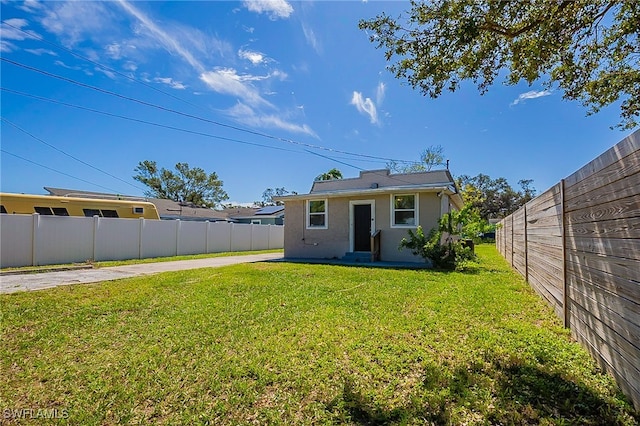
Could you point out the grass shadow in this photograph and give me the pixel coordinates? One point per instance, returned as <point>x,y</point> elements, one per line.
<point>518,394</point>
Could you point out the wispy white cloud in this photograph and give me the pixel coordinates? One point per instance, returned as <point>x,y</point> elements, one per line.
<point>106,72</point>
<point>171,82</point>
<point>14,29</point>
<point>254,57</point>
<point>130,66</point>
<point>40,52</point>
<point>170,43</point>
<point>533,94</point>
<point>227,81</point>
<point>380,92</point>
<point>365,106</point>
<point>74,21</point>
<point>274,8</point>
<point>247,115</point>
<point>30,6</point>
<point>69,67</point>
<point>310,37</point>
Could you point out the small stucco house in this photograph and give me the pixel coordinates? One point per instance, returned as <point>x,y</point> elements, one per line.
<point>367,214</point>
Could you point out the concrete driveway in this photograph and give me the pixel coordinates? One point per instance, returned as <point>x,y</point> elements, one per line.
<point>39,281</point>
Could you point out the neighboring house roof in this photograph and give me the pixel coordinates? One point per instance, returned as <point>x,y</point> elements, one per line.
<point>235,213</point>
<point>270,210</point>
<point>167,209</point>
<point>383,181</point>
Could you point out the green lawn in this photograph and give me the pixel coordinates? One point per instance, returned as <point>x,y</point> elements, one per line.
<point>107,263</point>
<point>276,343</point>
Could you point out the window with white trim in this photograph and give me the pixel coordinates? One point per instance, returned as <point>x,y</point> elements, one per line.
<point>317,214</point>
<point>404,210</point>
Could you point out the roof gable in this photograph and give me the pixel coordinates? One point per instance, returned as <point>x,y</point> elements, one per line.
<point>374,179</point>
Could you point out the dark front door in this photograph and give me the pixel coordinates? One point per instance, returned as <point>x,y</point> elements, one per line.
<point>362,227</point>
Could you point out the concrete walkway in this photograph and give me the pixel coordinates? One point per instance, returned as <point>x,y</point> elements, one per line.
<point>39,281</point>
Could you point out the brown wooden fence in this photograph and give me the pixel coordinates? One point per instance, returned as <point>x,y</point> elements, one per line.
<point>578,246</point>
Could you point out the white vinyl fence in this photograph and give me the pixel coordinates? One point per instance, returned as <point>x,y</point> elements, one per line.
<point>47,240</point>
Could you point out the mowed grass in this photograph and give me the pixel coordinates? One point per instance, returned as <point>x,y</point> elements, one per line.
<point>108,263</point>
<point>277,343</point>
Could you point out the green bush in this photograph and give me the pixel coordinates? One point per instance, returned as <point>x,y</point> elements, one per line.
<point>449,254</point>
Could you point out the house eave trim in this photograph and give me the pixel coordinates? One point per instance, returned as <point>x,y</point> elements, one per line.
<point>448,188</point>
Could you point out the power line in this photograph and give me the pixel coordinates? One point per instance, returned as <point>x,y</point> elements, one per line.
<point>105,67</point>
<point>165,109</point>
<point>179,129</point>
<point>135,80</point>
<point>57,171</point>
<point>67,154</point>
<point>361,169</point>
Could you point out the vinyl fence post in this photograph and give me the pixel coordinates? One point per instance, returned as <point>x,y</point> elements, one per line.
<point>565,311</point>
<point>230,235</point>
<point>206,238</point>
<point>140,228</point>
<point>269,237</point>
<point>178,224</point>
<point>96,220</point>
<point>34,239</point>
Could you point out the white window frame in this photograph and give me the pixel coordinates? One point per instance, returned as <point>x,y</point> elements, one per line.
<point>415,210</point>
<point>326,213</point>
<point>256,222</point>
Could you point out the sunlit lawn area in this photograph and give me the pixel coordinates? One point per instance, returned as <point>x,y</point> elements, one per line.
<point>105,264</point>
<point>277,343</point>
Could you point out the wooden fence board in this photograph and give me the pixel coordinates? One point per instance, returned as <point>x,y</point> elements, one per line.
<point>623,248</point>
<point>623,268</point>
<point>629,228</point>
<point>629,187</point>
<point>545,249</point>
<point>618,170</point>
<point>625,147</point>
<point>546,200</point>
<point>618,209</point>
<point>550,221</point>
<point>618,343</point>
<point>608,359</point>
<point>618,313</point>
<point>551,294</point>
<point>546,240</point>
<point>623,287</point>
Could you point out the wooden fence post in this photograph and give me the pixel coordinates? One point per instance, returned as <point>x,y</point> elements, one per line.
<point>526,248</point>
<point>565,311</point>
<point>511,239</point>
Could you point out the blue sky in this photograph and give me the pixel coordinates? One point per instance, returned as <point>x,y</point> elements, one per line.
<point>265,93</point>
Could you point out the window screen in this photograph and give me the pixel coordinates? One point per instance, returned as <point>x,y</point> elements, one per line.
<point>91,212</point>
<point>45,211</point>
<point>60,211</point>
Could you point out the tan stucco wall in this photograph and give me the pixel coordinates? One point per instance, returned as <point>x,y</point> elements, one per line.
<point>334,241</point>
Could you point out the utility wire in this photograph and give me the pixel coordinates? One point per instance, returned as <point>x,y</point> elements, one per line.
<point>57,171</point>
<point>179,129</point>
<point>68,155</point>
<point>360,168</point>
<point>143,83</point>
<point>98,89</point>
<point>105,67</point>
